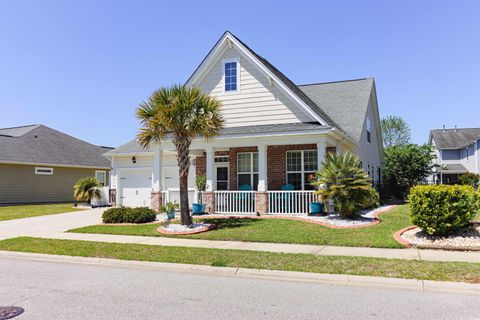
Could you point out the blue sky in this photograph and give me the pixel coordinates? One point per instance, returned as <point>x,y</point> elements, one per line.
<point>82,67</point>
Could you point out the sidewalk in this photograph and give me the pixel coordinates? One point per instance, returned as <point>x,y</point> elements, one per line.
<point>408,254</point>
<point>54,227</point>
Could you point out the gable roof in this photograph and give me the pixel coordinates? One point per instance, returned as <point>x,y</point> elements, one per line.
<point>284,83</point>
<point>346,102</point>
<point>38,144</point>
<point>454,138</point>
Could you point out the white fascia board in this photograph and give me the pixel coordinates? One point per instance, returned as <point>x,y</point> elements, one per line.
<point>210,59</point>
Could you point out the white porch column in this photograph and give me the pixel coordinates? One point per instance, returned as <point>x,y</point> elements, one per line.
<point>157,170</point>
<point>262,167</point>
<point>209,168</point>
<point>321,151</point>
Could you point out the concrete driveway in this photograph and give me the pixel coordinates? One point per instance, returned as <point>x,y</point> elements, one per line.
<point>49,224</point>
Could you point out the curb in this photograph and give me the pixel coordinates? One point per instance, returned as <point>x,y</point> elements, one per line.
<point>427,286</point>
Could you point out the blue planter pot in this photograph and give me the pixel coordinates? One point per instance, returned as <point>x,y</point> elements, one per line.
<point>198,208</point>
<point>316,208</point>
<point>171,215</point>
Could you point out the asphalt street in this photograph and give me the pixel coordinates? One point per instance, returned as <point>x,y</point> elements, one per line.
<point>53,290</point>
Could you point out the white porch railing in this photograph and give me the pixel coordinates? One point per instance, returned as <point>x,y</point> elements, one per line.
<point>290,202</point>
<point>235,202</point>
<point>173,195</point>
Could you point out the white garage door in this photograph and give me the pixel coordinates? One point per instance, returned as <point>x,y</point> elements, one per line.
<point>171,179</point>
<point>135,188</point>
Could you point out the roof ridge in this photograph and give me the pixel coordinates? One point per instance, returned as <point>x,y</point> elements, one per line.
<point>16,127</point>
<point>450,129</point>
<point>328,82</point>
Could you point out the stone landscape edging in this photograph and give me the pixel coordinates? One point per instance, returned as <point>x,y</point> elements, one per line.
<point>210,226</point>
<point>376,218</point>
<point>398,237</point>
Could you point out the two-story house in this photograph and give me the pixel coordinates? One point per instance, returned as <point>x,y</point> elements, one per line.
<point>275,137</point>
<point>457,152</point>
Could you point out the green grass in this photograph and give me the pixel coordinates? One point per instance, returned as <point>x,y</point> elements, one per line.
<point>34,210</point>
<point>396,268</point>
<point>281,231</point>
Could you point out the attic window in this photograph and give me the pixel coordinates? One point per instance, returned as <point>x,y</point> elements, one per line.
<point>369,130</point>
<point>231,75</point>
<point>44,171</point>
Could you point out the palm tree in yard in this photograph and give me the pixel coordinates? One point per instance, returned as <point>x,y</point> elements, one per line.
<point>179,114</point>
<point>87,189</point>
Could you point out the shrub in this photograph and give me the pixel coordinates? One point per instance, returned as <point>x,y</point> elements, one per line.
<point>470,179</point>
<point>128,215</point>
<point>441,210</point>
<point>373,200</point>
<point>343,181</point>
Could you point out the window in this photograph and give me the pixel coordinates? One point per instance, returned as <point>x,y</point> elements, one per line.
<point>301,165</point>
<point>247,169</point>
<point>220,159</point>
<point>231,75</point>
<point>101,177</point>
<point>369,130</point>
<point>45,171</point>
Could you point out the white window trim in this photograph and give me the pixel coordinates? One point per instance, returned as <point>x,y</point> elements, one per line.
<point>44,173</point>
<point>302,172</point>
<point>224,61</point>
<point>104,176</point>
<point>251,172</point>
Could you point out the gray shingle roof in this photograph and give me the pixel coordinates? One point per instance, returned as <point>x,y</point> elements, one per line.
<point>346,102</point>
<point>41,144</point>
<point>454,138</point>
<point>453,168</point>
<point>134,147</point>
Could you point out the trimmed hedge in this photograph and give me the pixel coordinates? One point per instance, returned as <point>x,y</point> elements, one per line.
<point>443,209</point>
<point>128,215</point>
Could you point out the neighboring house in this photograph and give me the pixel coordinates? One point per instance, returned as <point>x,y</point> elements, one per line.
<point>275,137</point>
<point>39,164</point>
<point>457,152</point>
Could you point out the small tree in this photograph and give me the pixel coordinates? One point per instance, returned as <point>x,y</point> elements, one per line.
<point>470,179</point>
<point>405,167</point>
<point>395,131</point>
<point>179,114</point>
<point>343,180</point>
<point>86,189</point>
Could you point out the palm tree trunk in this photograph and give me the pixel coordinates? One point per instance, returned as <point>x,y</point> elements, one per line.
<point>183,160</point>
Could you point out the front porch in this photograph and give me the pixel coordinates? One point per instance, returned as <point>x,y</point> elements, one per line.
<point>255,180</point>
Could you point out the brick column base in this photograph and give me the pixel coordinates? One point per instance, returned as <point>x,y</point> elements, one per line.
<point>261,200</point>
<point>112,195</point>
<point>156,200</point>
<point>209,200</point>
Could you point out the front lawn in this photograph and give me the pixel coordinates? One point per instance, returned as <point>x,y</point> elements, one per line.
<point>281,231</point>
<point>27,211</point>
<point>395,268</point>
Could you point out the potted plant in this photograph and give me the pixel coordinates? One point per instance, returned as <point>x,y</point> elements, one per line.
<point>201,184</point>
<point>169,208</point>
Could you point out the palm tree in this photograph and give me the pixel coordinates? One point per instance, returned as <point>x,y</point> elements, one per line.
<point>179,114</point>
<point>343,180</point>
<point>86,189</point>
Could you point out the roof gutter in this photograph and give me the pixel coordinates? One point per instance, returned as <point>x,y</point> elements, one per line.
<point>53,165</point>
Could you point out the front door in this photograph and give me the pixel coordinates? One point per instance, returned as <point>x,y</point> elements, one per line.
<point>222,178</point>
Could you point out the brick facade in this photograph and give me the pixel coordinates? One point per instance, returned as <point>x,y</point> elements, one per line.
<point>156,200</point>
<point>276,163</point>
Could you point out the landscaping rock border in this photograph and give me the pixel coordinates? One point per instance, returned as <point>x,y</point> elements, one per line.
<point>375,216</point>
<point>207,227</point>
<point>446,245</point>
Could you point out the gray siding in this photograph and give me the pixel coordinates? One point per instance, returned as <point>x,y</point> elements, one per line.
<point>369,152</point>
<point>20,184</point>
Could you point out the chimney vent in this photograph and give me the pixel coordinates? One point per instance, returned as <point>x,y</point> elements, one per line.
<point>456,128</point>
<point>444,129</point>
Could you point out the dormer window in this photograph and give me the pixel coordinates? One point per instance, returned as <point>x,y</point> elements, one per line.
<point>231,75</point>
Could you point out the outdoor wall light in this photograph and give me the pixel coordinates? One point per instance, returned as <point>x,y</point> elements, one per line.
<point>134,160</point>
